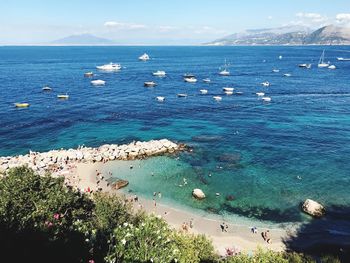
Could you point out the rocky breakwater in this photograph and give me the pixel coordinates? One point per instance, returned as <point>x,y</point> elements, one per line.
<point>59,162</point>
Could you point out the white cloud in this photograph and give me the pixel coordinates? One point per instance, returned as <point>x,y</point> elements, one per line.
<point>310,19</point>
<point>343,18</point>
<point>123,26</point>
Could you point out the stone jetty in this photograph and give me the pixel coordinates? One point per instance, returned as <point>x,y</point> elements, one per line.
<point>57,162</point>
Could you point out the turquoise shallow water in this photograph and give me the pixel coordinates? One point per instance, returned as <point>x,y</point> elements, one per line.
<point>253,151</point>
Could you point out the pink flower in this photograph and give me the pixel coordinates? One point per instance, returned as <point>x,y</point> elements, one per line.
<point>56,216</point>
<point>91,261</point>
<point>48,224</point>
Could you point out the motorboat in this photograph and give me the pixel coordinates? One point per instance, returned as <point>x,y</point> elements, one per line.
<point>110,67</point>
<point>304,65</point>
<point>62,96</point>
<point>46,88</point>
<point>225,71</point>
<point>206,80</point>
<point>228,92</point>
<point>144,57</point>
<point>266,99</point>
<point>265,84</point>
<point>228,89</point>
<point>203,91</point>
<point>217,98</point>
<point>260,94</point>
<point>287,74</point>
<point>332,67</point>
<point>98,82</point>
<point>182,95</point>
<point>159,73</point>
<point>150,84</point>
<point>343,59</point>
<point>321,63</point>
<point>22,105</point>
<point>89,74</point>
<point>160,98</point>
<point>189,75</point>
<point>275,70</point>
<point>190,80</point>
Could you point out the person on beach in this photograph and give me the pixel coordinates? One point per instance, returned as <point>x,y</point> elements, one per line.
<point>254,230</point>
<point>191,223</point>
<point>159,195</point>
<point>222,226</point>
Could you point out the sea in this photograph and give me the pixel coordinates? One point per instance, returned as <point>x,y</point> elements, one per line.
<point>254,160</point>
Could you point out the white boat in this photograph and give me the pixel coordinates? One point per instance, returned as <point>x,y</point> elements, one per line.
<point>224,72</point>
<point>280,57</point>
<point>62,96</point>
<point>287,75</point>
<point>182,95</point>
<point>159,73</point>
<point>228,89</point>
<point>203,91</point>
<point>343,59</point>
<point>110,67</point>
<point>332,67</point>
<point>206,80</point>
<point>190,80</point>
<point>265,84</point>
<point>189,75</point>
<point>321,63</point>
<point>46,88</point>
<point>228,92</point>
<point>217,98</point>
<point>160,98</point>
<point>98,82</point>
<point>275,70</point>
<point>260,94</point>
<point>88,74</point>
<point>304,65</point>
<point>144,57</point>
<point>239,93</point>
<point>149,84</point>
<point>266,99</point>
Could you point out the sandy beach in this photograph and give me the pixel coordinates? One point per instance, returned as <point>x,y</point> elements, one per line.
<point>238,237</point>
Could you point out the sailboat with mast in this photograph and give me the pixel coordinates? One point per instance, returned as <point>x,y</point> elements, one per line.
<point>225,71</point>
<point>321,63</point>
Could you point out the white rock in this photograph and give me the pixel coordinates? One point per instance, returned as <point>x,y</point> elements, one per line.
<point>198,193</point>
<point>313,208</point>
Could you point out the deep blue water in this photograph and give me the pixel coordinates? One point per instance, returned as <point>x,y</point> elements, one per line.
<point>253,150</point>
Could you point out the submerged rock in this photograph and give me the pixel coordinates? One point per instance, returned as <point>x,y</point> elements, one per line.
<point>119,184</point>
<point>230,197</point>
<point>313,208</point>
<point>198,194</point>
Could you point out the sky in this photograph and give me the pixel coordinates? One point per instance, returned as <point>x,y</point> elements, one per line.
<point>160,22</point>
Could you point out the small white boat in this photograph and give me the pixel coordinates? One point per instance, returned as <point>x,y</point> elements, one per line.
<point>287,74</point>
<point>304,65</point>
<point>203,91</point>
<point>189,75</point>
<point>332,67</point>
<point>46,88</point>
<point>62,96</point>
<point>265,84</point>
<point>266,99</point>
<point>98,82</point>
<point>217,98</point>
<point>239,93</point>
<point>159,73</point>
<point>89,74</point>
<point>206,80</point>
<point>275,70</point>
<point>228,89</point>
<point>149,84</point>
<point>228,92</point>
<point>160,98</point>
<point>22,105</point>
<point>190,80</point>
<point>225,71</point>
<point>110,67</point>
<point>260,94</point>
<point>280,57</point>
<point>182,95</point>
<point>321,63</point>
<point>343,59</point>
<point>144,57</point>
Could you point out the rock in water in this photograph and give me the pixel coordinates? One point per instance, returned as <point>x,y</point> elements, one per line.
<point>198,194</point>
<point>313,208</point>
<point>119,184</point>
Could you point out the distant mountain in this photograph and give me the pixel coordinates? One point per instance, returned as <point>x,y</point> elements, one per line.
<point>291,35</point>
<point>83,39</point>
